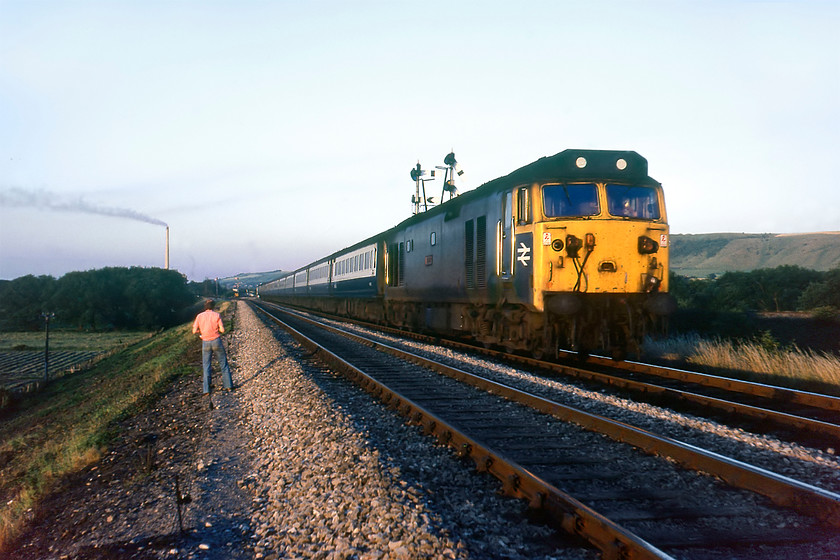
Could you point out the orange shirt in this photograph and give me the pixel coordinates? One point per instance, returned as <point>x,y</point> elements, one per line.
<point>210,324</point>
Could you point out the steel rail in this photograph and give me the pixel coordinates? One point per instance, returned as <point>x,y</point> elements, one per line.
<point>817,427</point>
<point>807,398</point>
<point>814,400</point>
<point>614,541</point>
<point>784,491</point>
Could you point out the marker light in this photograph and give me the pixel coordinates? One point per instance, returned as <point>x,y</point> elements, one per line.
<point>621,164</point>
<point>573,245</point>
<point>647,245</point>
<point>580,162</point>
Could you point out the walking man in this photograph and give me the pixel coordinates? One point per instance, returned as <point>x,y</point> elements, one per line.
<point>210,327</point>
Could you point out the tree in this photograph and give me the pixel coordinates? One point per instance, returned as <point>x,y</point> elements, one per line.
<point>22,301</point>
<point>122,298</point>
<point>825,293</point>
<point>769,289</point>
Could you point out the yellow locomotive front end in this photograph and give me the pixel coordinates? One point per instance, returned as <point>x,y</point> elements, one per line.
<point>596,231</point>
<point>601,238</point>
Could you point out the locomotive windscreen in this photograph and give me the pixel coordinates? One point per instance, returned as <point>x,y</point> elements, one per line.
<point>633,202</point>
<point>566,201</point>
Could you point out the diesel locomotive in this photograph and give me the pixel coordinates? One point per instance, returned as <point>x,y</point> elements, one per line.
<point>567,252</point>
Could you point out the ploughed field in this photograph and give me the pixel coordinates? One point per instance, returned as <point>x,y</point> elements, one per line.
<point>23,366</point>
<point>22,353</point>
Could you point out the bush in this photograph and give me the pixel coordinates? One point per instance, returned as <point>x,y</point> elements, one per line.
<point>822,294</point>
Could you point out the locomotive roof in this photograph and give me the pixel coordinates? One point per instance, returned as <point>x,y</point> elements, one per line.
<point>577,165</point>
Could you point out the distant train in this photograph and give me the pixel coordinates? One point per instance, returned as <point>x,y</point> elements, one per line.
<point>570,251</point>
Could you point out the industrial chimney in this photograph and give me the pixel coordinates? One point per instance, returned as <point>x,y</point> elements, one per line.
<point>166,261</point>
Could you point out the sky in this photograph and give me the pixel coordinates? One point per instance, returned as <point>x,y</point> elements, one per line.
<point>267,134</point>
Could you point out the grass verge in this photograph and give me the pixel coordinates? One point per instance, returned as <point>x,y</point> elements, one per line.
<point>69,424</point>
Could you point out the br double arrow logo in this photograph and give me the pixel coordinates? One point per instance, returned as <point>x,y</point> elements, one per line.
<point>524,254</point>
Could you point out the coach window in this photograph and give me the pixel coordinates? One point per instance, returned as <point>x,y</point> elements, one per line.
<point>433,239</point>
<point>523,206</point>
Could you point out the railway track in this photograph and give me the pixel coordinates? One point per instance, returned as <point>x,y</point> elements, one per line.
<point>791,414</point>
<point>794,413</point>
<point>629,500</point>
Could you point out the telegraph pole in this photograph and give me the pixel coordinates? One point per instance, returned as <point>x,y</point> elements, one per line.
<point>47,316</point>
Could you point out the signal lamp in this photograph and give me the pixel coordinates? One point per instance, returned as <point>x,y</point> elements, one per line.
<point>621,164</point>
<point>557,244</point>
<point>416,172</point>
<point>580,162</point>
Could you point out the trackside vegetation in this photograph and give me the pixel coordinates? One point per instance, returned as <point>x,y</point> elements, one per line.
<point>763,360</point>
<point>70,422</point>
<point>113,298</point>
<point>778,326</point>
<point>784,288</point>
<point>744,306</point>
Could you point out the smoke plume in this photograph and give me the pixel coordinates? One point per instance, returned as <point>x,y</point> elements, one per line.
<point>46,200</point>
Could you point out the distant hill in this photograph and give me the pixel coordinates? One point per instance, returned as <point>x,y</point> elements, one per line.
<point>715,253</point>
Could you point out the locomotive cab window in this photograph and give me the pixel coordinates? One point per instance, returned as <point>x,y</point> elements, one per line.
<point>570,201</point>
<point>633,202</point>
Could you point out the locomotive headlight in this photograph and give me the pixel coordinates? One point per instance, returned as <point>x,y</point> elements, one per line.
<point>647,245</point>
<point>621,164</point>
<point>580,162</point>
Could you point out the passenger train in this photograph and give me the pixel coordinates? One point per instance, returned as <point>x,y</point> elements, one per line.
<point>567,252</point>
